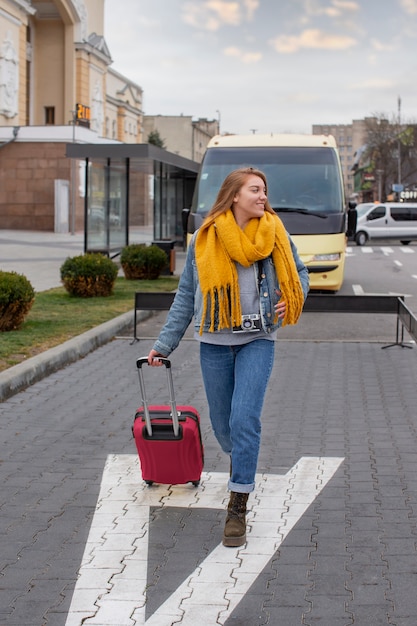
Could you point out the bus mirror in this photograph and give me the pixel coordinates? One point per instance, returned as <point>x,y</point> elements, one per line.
<point>184,216</point>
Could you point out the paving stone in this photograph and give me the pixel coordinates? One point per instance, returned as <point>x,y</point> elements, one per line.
<point>372,615</point>
<point>348,560</point>
<point>249,611</point>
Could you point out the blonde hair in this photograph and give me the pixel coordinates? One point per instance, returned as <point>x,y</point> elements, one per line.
<point>231,186</point>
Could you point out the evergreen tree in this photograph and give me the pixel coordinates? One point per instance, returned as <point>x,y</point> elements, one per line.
<point>155,139</point>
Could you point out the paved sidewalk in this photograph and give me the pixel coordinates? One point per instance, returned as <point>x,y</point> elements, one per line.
<point>333,519</point>
<point>38,255</point>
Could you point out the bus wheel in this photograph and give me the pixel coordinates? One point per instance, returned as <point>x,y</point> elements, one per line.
<point>405,243</point>
<point>361,238</point>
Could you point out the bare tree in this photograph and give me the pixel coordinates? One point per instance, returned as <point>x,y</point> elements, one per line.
<point>391,153</point>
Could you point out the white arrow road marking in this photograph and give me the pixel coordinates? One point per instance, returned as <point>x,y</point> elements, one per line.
<point>111,588</point>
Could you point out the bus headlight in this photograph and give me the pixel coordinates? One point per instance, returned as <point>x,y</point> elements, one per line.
<point>326,257</point>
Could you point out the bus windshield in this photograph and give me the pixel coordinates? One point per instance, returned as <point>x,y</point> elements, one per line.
<point>300,179</point>
<point>305,188</point>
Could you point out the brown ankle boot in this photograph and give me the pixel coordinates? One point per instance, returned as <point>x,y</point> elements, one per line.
<point>235,528</point>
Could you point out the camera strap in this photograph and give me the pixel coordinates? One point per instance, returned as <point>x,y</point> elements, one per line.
<point>260,271</point>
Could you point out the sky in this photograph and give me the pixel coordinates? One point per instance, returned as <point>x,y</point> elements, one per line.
<point>268,65</point>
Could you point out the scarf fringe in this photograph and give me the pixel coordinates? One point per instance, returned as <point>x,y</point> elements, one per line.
<point>227,309</point>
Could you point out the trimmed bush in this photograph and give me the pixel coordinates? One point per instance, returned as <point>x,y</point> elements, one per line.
<point>89,275</point>
<point>140,261</point>
<point>16,298</point>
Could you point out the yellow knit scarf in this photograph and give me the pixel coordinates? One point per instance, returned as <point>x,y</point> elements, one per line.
<point>220,243</point>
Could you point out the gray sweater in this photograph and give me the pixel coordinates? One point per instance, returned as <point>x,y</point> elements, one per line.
<point>249,302</point>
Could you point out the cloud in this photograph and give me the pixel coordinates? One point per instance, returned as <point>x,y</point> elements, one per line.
<point>381,46</point>
<point>374,83</point>
<point>312,39</point>
<point>303,98</point>
<point>346,5</point>
<point>337,8</point>
<point>251,6</point>
<point>340,8</point>
<point>213,14</point>
<point>409,6</point>
<point>245,57</point>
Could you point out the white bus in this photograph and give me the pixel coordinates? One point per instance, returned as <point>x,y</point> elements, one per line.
<point>305,188</point>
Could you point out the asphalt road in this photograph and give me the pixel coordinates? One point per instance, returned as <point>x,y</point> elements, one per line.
<point>382,268</point>
<point>387,267</point>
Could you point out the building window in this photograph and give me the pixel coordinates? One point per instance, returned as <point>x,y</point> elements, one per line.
<point>49,116</point>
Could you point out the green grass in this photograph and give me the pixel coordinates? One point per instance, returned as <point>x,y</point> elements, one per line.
<point>56,317</point>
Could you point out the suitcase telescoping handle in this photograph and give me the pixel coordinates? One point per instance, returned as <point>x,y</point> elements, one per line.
<point>174,413</point>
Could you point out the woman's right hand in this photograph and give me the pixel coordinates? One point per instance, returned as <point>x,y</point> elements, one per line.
<point>153,358</point>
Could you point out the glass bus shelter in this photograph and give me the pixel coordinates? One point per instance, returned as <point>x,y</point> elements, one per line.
<point>132,185</point>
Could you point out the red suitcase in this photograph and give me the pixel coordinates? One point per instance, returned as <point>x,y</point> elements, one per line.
<point>168,438</point>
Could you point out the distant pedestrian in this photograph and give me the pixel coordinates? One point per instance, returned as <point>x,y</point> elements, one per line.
<point>242,280</point>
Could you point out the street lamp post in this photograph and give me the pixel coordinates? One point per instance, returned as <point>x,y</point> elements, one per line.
<point>73,175</point>
<point>218,120</point>
<point>379,174</point>
<point>399,142</point>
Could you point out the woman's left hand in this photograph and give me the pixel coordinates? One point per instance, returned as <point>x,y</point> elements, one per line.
<point>280,307</point>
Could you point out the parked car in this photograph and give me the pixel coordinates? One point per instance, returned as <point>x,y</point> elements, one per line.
<point>96,219</point>
<point>388,220</point>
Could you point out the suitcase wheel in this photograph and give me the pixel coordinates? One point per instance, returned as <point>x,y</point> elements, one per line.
<point>150,483</point>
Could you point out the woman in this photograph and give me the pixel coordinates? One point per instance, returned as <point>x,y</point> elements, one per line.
<point>242,280</point>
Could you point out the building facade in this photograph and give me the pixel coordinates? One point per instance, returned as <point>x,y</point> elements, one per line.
<point>54,67</point>
<point>349,138</point>
<point>57,89</point>
<point>181,134</point>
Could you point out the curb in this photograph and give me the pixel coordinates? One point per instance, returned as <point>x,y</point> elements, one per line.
<point>23,375</point>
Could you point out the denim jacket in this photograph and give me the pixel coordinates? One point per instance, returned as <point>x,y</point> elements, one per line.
<point>188,301</point>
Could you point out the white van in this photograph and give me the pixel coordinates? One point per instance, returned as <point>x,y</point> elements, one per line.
<point>388,220</point>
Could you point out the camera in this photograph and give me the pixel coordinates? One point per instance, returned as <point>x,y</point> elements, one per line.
<point>250,324</point>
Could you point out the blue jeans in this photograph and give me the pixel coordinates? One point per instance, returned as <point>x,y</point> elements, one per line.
<point>235,379</point>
